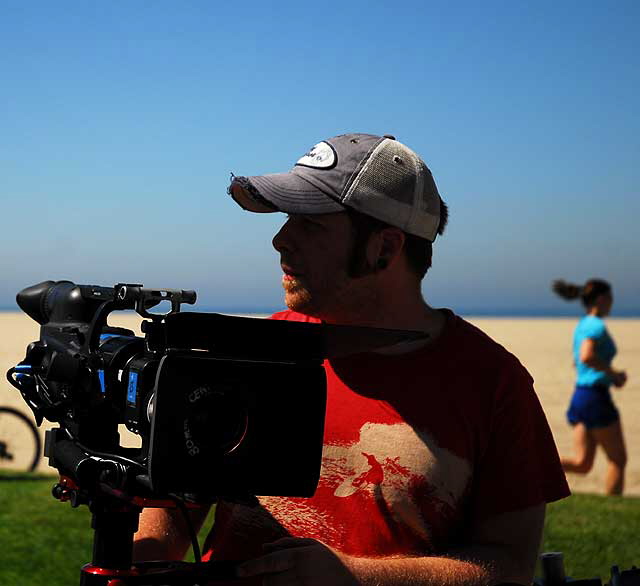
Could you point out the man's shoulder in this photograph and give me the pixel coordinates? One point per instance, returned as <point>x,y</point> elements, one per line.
<point>467,335</point>
<point>289,315</point>
<point>475,346</point>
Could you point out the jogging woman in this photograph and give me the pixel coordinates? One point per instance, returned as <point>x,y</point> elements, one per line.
<point>592,414</point>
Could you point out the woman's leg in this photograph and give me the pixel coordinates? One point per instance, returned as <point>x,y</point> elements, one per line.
<point>584,448</point>
<point>612,442</point>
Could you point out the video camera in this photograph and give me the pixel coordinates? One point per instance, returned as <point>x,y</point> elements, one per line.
<point>225,407</point>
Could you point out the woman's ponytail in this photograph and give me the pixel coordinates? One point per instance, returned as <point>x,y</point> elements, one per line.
<point>588,293</point>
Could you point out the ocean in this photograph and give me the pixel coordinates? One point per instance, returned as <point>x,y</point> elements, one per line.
<point>488,312</point>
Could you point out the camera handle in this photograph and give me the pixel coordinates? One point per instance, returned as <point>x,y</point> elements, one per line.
<point>115,522</point>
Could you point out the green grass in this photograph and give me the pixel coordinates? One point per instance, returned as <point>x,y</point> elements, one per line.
<point>40,537</point>
<point>594,533</point>
<point>42,541</point>
<point>45,542</point>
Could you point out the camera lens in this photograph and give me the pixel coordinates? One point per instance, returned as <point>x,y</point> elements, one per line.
<point>216,418</point>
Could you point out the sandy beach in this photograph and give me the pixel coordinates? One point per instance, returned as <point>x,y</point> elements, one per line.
<point>542,345</point>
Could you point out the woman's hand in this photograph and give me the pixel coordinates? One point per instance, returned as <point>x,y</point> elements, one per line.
<point>618,378</point>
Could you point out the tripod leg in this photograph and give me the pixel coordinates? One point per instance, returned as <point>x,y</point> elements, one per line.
<point>114,527</point>
<point>113,538</point>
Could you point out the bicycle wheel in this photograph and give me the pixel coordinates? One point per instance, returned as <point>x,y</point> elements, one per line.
<point>20,446</point>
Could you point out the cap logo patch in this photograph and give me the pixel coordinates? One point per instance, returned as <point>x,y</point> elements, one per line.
<point>321,156</point>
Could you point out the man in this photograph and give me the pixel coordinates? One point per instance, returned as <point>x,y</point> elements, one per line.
<point>438,460</point>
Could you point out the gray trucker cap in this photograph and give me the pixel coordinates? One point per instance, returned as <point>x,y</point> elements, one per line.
<point>375,175</point>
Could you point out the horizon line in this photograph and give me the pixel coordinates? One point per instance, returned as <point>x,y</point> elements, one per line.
<point>463,311</point>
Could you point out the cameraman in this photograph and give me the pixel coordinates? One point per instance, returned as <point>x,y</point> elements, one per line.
<point>438,460</point>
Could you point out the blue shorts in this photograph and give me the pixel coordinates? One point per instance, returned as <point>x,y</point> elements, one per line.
<point>593,406</point>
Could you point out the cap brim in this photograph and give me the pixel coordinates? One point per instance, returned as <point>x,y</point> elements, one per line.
<point>286,192</point>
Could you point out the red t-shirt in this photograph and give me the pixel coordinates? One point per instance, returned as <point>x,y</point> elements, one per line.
<point>417,448</point>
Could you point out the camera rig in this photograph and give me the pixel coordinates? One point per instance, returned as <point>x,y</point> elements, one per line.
<point>225,407</point>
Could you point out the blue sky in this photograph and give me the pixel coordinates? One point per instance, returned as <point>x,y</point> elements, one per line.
<point>120,123</point>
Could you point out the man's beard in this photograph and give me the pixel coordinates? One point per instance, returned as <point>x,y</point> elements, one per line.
<point>339,302</point>
<point>297,297</point>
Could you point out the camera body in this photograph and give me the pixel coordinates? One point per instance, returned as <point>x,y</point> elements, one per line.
<point>224,406</point>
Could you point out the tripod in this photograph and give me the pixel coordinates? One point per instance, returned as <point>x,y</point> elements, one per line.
<point>114,521</point>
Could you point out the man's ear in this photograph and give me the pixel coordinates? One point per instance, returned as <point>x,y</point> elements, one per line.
<point>385,247</point>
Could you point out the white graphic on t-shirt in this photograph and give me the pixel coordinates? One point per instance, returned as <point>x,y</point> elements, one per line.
<point>390,462</point>
<point>391,456</point>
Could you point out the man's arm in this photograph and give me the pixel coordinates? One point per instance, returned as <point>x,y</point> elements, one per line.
<point>510,543</point>
<point>505,549</point>
<point>163,533</point>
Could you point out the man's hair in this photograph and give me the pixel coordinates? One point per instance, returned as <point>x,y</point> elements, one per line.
<point>418,251</point>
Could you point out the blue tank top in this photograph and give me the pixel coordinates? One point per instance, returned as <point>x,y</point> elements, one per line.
<point>593,327</point>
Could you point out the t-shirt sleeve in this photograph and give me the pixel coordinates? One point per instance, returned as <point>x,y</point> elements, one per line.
<point>519,467</point>
<point>288,315</point>
<point>593,328</point>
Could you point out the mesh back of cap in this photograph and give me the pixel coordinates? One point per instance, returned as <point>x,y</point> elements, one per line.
<point>396,179</point>
<point>396,187</point>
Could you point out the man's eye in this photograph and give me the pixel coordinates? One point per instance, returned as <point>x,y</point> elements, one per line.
<point>305,221</point>
<point>310,221</point>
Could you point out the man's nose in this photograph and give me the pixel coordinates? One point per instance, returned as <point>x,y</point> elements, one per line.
<point>280,241</point>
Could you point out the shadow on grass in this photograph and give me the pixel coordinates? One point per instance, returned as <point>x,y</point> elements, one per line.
<point>25,476</point>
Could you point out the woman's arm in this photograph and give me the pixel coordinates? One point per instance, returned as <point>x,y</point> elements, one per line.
<point>589,356</point>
